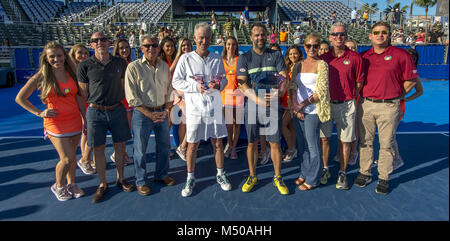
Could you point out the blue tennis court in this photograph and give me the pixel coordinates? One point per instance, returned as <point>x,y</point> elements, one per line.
<point>418,191</point>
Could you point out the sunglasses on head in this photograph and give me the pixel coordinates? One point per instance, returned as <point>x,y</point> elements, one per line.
<point>384,32</point>
<point>308,46</point>
<point>95,40</point>
<point>147,46</point>
<point>343,34</point>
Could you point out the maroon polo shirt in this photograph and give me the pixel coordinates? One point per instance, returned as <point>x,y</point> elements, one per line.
<point>343,73</point>
<point>386,72</point>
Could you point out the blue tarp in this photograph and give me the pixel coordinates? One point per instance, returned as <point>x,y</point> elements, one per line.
<point>22,58</point>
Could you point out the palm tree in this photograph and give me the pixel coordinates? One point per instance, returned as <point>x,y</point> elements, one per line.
<point>426,4</point>
<point>397,5</point>
<point>411,8</point>
<point>371,9</point>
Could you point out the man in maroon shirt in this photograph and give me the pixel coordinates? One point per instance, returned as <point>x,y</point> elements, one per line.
<point>345,76</point>
<point>390,73</point>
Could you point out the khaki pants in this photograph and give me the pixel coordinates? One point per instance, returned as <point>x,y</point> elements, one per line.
<point>385,116</point>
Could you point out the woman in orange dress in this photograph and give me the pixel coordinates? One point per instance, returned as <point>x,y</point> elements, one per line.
<point>64,116</point>
<point>123,50</point>
<point>232,97</point>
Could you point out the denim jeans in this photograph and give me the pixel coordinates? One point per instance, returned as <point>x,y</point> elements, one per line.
<point>308,143</point>
<point>142,128</point>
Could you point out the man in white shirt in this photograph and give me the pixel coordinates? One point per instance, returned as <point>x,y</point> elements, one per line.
<point>354,15</point>
<point>204,118</point>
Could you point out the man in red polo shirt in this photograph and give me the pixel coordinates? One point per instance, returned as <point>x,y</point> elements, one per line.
<point>345,76</point>
<point>390,72</point>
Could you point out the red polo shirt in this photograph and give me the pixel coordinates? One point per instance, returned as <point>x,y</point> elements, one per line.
<point>343,73</point>
<point>386,72</point>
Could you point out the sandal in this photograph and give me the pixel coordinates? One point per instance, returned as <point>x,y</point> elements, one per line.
<point>304,187</point>
<point>299,181</point>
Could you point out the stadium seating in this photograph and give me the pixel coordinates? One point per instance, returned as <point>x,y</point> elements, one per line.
<point>40,11</point>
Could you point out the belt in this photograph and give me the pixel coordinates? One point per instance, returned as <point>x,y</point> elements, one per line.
<point>339,101</point>
<point>158,108</point>
<point>101,107</point>
<point>382,101</point>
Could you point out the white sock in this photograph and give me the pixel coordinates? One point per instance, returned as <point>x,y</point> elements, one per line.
<point>219,171</point>
<point>342,172</point>
<point>326,168</point>
<point>190,175</point>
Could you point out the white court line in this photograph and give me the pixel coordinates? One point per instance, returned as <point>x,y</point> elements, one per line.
<point>42,137</point>
<point>445,133</point>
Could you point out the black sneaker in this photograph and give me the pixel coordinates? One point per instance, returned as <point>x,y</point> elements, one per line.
<point>362,180</point>
<point>382,187</point>
<point>342,182</point>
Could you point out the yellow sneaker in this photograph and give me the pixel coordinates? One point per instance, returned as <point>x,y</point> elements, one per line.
<point>279,183</point>
<point>249,184</point>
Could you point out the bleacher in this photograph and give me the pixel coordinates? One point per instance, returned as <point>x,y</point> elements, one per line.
<point>322,10</point>
<point>40,11</point>
<point>76,10</point>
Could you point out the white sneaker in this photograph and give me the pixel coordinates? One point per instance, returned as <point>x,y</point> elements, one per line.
<point>188,187</point>
<point>181,153</point>
<point>223,181</point>
<point>266,157</point>
<point>75,190</point>
<point>86,168</point>
<point>61,193</point>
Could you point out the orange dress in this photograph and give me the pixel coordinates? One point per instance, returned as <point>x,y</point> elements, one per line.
<point>231,95</point>
<point>68,121</point>
<point>284,99</point>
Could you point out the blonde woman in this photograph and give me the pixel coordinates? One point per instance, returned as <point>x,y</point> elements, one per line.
<point>78,53</point>
<point>310,101</point>
<point>64,116</point>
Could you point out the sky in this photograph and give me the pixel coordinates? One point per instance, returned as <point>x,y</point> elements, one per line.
<point>382,4</point>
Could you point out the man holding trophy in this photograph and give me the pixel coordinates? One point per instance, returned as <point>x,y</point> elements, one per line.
<point>201,76</point>
<point>261,74</point>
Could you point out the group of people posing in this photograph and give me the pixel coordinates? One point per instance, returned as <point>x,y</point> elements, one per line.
<point>210,96</point>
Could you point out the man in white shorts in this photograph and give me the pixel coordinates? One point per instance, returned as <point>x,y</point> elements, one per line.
<point>204,117</point>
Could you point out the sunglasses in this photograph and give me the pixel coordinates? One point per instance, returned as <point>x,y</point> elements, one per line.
<point>343,34</point>
<point>308,46</point>
<point>147,46</point>
<point>384,32</point>
<point>95,40</point>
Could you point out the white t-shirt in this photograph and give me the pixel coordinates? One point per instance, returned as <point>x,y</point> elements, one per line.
<point>354,14</point>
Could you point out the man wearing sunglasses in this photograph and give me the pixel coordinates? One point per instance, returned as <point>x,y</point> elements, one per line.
<point>204,117</point>
<point>390,73</point>
<point>345,76</point>
<point>101,81</point>
<point>147,88</point>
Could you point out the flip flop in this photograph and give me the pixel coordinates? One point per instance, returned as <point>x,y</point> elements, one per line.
<point>304,187</point>
<point>299,181</point>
